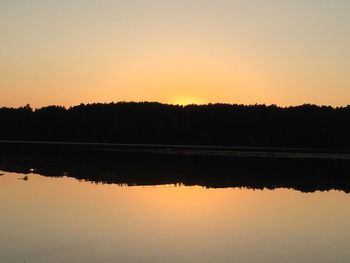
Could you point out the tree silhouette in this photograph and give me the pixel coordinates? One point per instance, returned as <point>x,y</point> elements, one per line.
<point>307,126</point>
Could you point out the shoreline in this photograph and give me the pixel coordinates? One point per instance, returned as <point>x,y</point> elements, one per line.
<point>207,150</point>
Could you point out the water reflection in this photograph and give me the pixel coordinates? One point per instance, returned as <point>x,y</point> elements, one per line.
<point>306,175</point>
<point>54,220</point>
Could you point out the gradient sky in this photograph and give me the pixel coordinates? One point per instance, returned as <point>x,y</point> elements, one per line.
<point>246,51</point>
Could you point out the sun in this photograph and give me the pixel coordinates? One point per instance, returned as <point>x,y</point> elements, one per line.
<point>187,100</point>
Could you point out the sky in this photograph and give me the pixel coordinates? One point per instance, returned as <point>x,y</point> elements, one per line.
<point>69,52</point>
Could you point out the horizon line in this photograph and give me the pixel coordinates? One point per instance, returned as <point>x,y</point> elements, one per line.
<point>28,105</point>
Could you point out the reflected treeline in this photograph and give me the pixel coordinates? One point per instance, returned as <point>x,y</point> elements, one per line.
<point>306,175</point>
<point>307,126</point>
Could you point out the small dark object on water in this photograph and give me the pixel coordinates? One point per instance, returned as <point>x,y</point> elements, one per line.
<point>25,178</point>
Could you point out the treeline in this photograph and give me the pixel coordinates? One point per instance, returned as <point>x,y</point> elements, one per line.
<point>307,126</point>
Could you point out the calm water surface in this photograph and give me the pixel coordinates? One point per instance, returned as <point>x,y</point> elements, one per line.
<point>46,220</point>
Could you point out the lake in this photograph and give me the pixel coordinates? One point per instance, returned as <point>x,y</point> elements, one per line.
<point>62,219</point>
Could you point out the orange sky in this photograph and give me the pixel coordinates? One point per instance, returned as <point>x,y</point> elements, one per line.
<point>273,52</point>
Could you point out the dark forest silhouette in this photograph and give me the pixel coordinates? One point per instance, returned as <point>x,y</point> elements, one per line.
<point>307,126</point>
<point>318,130</point>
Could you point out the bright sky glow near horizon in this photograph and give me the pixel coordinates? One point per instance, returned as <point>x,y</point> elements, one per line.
<point>196,51</point>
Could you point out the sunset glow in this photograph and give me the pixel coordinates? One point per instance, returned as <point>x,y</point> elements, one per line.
<point>192,131</point>
<point>187,101</point>
<point>273,52</point>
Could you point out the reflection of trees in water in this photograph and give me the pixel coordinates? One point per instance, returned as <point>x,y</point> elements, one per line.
<point>306,175</point>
